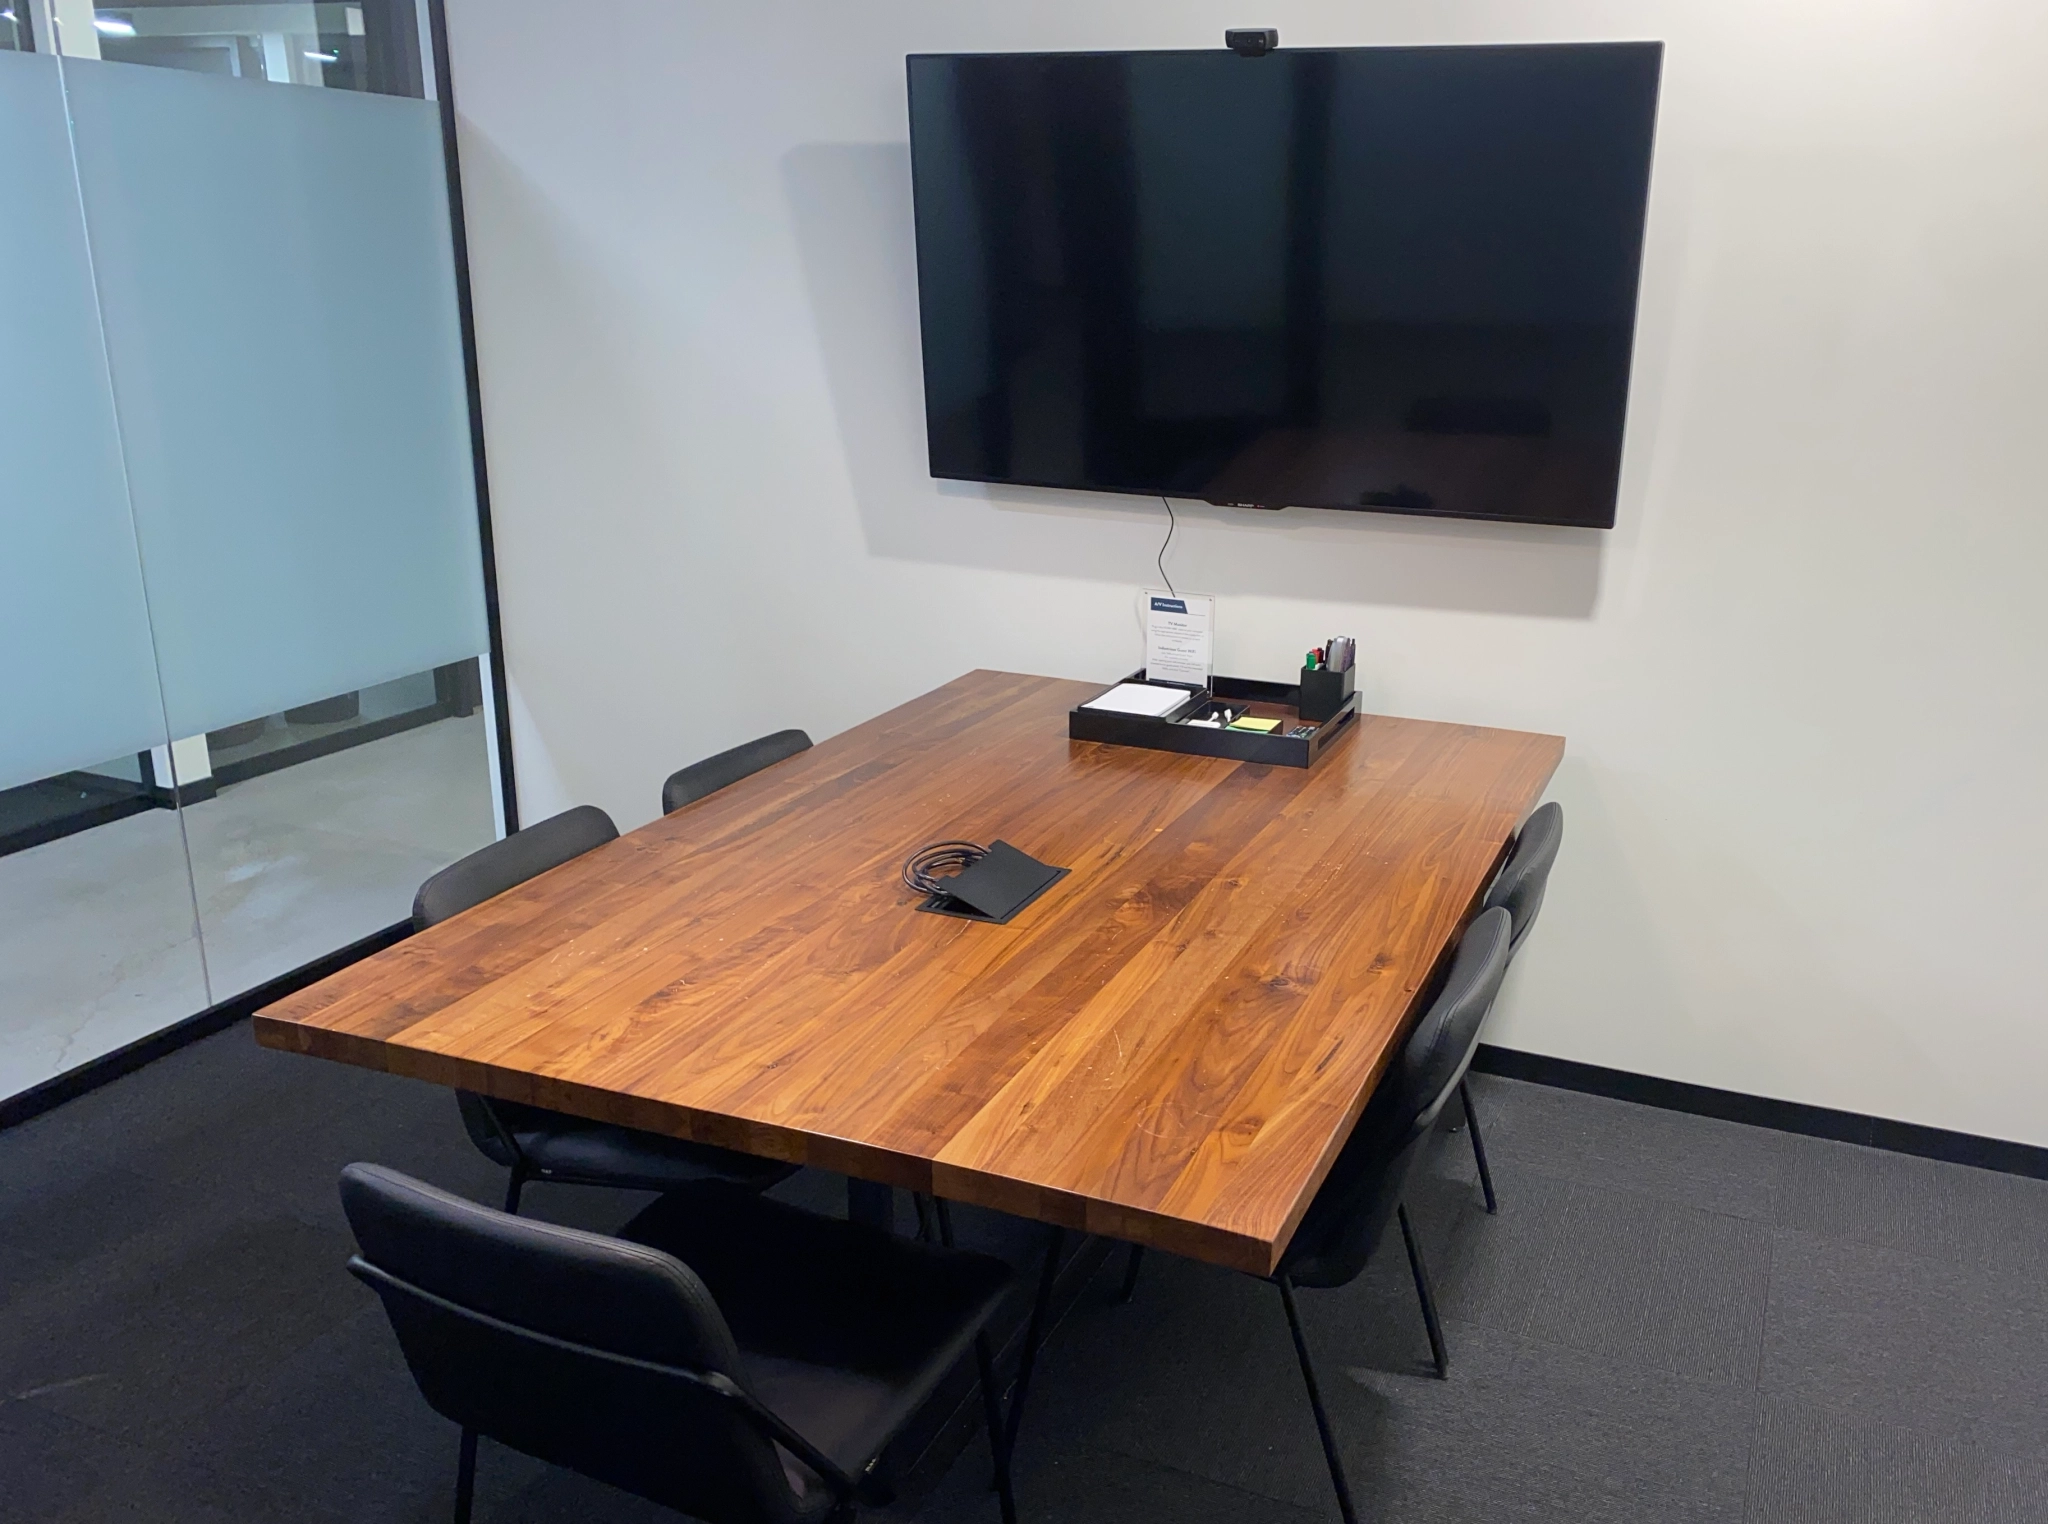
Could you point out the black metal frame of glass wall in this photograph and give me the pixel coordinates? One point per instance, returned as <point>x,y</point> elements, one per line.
<point>392,67</point>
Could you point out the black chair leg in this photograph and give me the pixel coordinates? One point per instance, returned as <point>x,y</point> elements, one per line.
<point>1315,1401</point>
<point>1478,1146</point>
<point>465,1477</point>
<point>1034,1335</point>
<point>1428,1298</point>
<point>1131,1267</point>
<point>512,1189</point>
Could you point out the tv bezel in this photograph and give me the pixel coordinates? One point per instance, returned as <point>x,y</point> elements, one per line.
<point>1635,314</point>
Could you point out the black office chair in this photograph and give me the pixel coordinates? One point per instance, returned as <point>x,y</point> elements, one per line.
<point>1517,889</point>
<point>689,784</point>
<point>534,1143</point>
<point>728,1356</point>
<point>1363,1191</point>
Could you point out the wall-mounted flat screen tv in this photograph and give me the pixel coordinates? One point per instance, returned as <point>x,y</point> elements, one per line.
<point>1398,279</point>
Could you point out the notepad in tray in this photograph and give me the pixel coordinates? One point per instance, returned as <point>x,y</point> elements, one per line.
<point>1153,699</point>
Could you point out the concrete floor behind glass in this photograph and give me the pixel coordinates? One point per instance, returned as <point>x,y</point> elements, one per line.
<point>1671,1319</point>
<point>97,942</point>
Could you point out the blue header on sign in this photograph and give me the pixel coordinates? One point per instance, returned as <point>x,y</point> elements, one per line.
<point>1170,605</point>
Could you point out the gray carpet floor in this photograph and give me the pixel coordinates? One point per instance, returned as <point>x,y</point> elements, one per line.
<point>1670,1319</point>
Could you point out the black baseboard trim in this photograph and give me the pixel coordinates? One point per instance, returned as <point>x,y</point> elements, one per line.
<point>1780,1116</point>
<point>113,806</point>
<point>324,746</point>
<point>108,1067</point>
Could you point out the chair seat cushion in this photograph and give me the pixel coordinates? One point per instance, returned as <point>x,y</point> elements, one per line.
<point>849,1416</point>
<point>844,1330</point>
<point>568,1148</point>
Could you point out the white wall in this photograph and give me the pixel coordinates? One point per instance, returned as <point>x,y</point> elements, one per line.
<point>1802,679</point>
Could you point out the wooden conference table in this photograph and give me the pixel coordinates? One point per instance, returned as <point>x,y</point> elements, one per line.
<point>1168,1047</point>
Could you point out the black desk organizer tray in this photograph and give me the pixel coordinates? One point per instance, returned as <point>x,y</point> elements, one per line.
<point>1277,747</point>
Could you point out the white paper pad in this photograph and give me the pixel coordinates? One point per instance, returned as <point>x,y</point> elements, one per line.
<point>1140,698</point>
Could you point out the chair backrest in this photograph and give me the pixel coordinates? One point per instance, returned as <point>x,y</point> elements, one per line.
<point>1519,886</point>
<point>607,1357</point>
<point>1364,1186</point>
<point>525,854</point>
<point>485,874</point>
<point>687,785</point>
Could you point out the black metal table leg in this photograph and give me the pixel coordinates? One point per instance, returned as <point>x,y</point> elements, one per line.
<point>871,1205</point>
<point>1315,1402</point>
<point>1131,1268</point>
<point>1034,1335</point>
<point>985,1366</point>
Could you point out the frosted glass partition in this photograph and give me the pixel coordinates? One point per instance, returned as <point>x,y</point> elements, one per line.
<point>78,679</point>
<point>277,283</point>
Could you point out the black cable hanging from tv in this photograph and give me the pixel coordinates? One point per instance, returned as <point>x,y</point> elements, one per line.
<point>1172,523</point>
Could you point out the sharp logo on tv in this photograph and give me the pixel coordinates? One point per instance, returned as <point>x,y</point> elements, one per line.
<point>1387,279</point>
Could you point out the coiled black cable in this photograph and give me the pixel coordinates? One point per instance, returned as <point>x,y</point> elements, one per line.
<point>920,869</point>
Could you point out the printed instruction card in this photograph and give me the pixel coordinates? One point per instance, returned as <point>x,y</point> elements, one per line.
<point>1180,638</point>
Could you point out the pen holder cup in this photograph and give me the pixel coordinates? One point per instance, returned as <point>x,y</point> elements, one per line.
<point>1323,692</point>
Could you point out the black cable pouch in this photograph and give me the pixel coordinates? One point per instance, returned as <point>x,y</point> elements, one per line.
<point>995,887</point>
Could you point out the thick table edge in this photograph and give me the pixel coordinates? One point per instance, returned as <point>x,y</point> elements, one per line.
<point>968,1187</point>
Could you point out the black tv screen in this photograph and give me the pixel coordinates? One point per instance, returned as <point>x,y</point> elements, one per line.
<point>1400,279</point>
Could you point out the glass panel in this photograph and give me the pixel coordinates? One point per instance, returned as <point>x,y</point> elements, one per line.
<point>98,945</point>
<point>237,390</point>
<point>278,289</point>
<point>277,280</point>
<point>97,941</point>
<point>79,679</point>
<point>328,816</point>
<point>370,45</point>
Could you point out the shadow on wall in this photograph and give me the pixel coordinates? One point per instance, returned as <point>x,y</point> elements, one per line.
<point>850,205</point>
<point>1665,934</point>
<point>1601,967</point>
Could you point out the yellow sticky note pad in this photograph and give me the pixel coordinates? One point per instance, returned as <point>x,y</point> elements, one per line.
<point>1253,722</point>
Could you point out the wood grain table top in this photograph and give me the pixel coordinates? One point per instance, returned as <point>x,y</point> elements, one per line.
<point>1168,1047</point>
